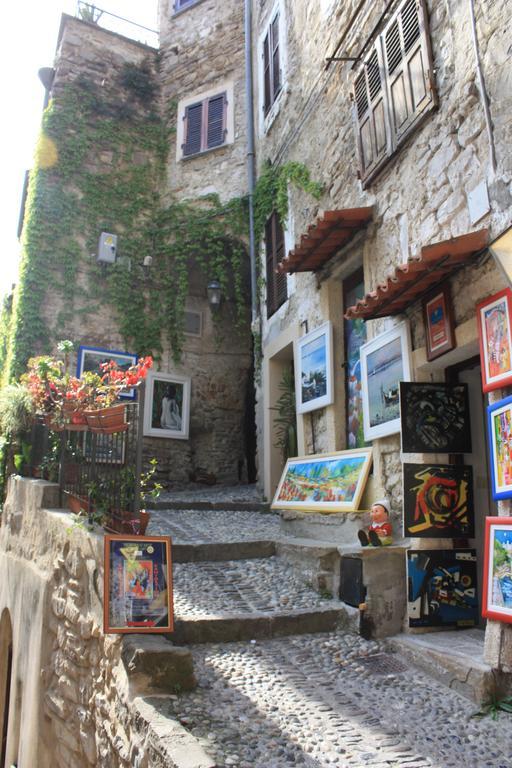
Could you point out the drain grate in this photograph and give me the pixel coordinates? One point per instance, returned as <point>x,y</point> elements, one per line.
<point>382,664</point>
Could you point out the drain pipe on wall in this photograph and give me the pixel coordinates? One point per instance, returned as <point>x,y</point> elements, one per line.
<point>483,91</point>
<point>251,157</point>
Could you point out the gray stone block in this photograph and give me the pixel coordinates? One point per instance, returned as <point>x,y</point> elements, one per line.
<point>152,662</point>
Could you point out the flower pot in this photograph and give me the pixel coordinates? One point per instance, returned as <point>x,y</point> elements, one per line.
<point>74,418</point>
<point>106,421</point>
<point>78,504</point>
<point>144,517</point>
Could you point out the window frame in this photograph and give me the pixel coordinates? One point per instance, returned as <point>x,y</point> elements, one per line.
<point>204,100</point>
<point>177,9</point>
<point>275,247</point>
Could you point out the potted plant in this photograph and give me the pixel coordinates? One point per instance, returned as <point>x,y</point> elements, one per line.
<point>149,489</point>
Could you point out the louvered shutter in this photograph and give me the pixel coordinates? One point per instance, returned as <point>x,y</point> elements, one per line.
<point>276,70</point>
<point>280,277</point>
<point>408,66</point>
<point>216,121</point>
<point>370,113</point>
<point>269,254</point>
<point>193,129</point>
<point>267,100</point>
<point>277,291</point>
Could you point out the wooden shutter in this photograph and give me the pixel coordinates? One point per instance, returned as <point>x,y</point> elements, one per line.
<point>267,98</point>
<point>216,120</point>
<point>408,66</point>
<point>193,129</point>
<point>276,69</point>
<point>277,292</point>
<point>370,113</point>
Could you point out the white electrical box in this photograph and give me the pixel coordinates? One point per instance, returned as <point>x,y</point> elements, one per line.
<point>107,248</point>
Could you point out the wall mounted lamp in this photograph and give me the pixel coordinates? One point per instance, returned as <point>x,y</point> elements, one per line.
<point>214,293</point>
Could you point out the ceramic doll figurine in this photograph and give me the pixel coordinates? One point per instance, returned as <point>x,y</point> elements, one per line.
<point>379,532</point>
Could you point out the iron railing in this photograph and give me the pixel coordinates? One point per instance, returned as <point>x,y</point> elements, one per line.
<point>114,23</point>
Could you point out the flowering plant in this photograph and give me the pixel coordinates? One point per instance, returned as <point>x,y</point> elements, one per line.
<point>104,390</point>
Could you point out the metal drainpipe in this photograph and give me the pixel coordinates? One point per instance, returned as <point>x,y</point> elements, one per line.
<point>483,92</point>
<point>251,174</point>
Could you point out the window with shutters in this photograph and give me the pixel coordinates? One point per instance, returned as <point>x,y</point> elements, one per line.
<point>180,5</point>
<point>394,89</point>
<point>277,291</point>
<point>205,122</point>
<point>271,65</point>
<point>272,70</point>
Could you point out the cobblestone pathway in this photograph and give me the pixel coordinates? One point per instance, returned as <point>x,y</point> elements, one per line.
<point>194,526</point>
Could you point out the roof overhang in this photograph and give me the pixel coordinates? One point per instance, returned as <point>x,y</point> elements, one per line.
<point>419,275</point>
<point>331,231</point>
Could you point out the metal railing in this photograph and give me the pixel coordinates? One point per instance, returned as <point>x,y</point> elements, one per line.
<point>115,23</point>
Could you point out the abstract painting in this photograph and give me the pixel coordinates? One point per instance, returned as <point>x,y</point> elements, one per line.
<point>495,332</point>
<point>438,501</point>
<point>435,418</point>
<point>355,337</point>
<point>500,441</point>
<point>438,317</point>
<point>497,587</point>
<point>313,374</point>
<point>324,483</point>
<point>442,588</point>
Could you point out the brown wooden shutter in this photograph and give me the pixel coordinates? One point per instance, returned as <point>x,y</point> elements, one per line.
<point>277,291</point>
<point>267,97</point>
<point>276,69</point>
<point>408,66</point>
<point>216,120</point>
<point>193,129</point>
<point>370,113</point>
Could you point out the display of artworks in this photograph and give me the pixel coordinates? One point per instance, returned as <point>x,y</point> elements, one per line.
<point>500,441</point>
<point>324,483</point>
<point>167,405</point>
<point>313,372</point>
<point>91,359</point>
<point>355,337</point>
<point>438,501</point>
<point>385,362</point>
<point>495,331</point>
<point>442,588</point>
<point>439,329</point>
<point>497,586</point>
<point>435,418</point>
<point>138,584</point>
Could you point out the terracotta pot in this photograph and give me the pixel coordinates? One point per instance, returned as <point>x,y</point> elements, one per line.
<point>77,504</point>
<point>106,421</point>
<point>75,419</point>
<point>123,521</point>
<point>144,517</point>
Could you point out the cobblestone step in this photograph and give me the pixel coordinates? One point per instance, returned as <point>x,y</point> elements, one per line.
<point>211,552</point>
<point>193,526</point>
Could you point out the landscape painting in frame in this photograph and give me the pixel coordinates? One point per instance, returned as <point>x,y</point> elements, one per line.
<point>167,405</point>
<point>91,359</point>
<point>385,362</point>
<point>138,584</point>
<point>500,441</point>
<point>438,501</point>
<point>442,588</point>
<point>497,587</point>
<point>435,418</point>
<point>495,333</point>
<point>324,483</point>
<point>313,375</point>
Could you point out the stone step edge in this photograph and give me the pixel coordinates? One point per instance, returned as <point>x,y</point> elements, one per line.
<point>203,552</point>
<point>223,506</point>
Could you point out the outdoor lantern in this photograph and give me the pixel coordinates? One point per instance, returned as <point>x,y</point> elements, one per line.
<point>501,249</point>
<point>146,265</point>
<point>214,294</point>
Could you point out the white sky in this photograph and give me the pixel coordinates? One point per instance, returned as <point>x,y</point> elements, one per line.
<point>29,39</point>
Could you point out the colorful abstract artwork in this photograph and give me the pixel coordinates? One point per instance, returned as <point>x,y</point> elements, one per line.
<point>435,418</point>
<point>438,501</point>
<point>495,331</point>
<point>500,441</point>
<point>442,588</point>
<point>439,331</point>
<point>497,587</point>
<point>324,483</point>
<point>313,374</point>
<point>355,337</point>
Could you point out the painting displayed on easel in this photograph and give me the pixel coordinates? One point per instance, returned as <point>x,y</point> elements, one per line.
<point>494,317</point>
<point>500,440</point>
<point>497,587</point>
<point>435,418</point>
<point>438,501</point>
<point>442,586</point>
<point>332,482</point>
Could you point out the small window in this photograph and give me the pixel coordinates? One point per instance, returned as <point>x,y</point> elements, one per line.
<point>271,65</point>
<point>277,291</point>
<point>193,323</point>
<point>205,125</point>
<point>180,4</point>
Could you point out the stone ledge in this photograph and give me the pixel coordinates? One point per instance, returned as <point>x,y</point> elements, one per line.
<point>153,663</point>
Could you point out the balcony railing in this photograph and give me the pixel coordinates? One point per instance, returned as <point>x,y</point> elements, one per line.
<point>114,23</point>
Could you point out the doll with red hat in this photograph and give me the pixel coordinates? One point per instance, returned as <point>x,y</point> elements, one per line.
<point>380,532</point>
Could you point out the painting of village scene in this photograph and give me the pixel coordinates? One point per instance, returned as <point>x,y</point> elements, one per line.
<point>497,592</point>
<point>324,483</point>
<point>494,321</point>
<point>500,439</point>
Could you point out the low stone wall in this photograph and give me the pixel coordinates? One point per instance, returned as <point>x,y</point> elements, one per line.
<point>78,697</point>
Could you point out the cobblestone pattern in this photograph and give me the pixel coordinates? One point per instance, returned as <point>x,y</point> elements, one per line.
<point>218,494</point>
<point>242,587</point>
<point>196,526</point>
<point>332,700</point>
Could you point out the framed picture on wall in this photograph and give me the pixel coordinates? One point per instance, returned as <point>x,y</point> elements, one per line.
<point>495,333</point>
<point>499,422</point>
<point>439,328</point>
<point>138,584</point>
<point>438,501</point>
<point>385,362</point>
<point>313,369</point>
<point>497,586</point>
<point>91,358</point>
<point>435,418</point>
<point>167,405</point>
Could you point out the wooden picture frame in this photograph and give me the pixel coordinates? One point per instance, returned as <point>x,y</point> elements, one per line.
<point>91,358</point>
<point>330,482</point>
<point>385,362</point>
<point>313,369</point>
<point>435,417</point>
<point>137,585</point>
<point>497,586</point>
<point>499,423</point>
<point>439,325</point>
<point>494,317</point>
<point>167,405</point>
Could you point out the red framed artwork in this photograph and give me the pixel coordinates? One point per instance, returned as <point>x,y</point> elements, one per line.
<point>439,327</point>
<point>495,332</point>
<point>497,587</point>
<point>138,584</point>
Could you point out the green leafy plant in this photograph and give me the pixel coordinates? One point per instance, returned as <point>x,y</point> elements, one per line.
<point>22,460</point>
<point>149,488</point>
<point>286,419</point>
<point>17,409</point>
<point>493,706</point>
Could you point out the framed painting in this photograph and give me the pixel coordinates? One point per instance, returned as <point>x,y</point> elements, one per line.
<point>354,337</point>
<point>331,482</point>
<point>167,405</point>
<point>91,358</point>
<point>385,362</point>
<point>313,369</point>
<point>138,584</point>
<point>497,586</point>
<point>495,334</point>
<point>438,501</point>
<point>439,327</point>
<point>499,423</point>
<point>435,418</point>
<point>442,588</point>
